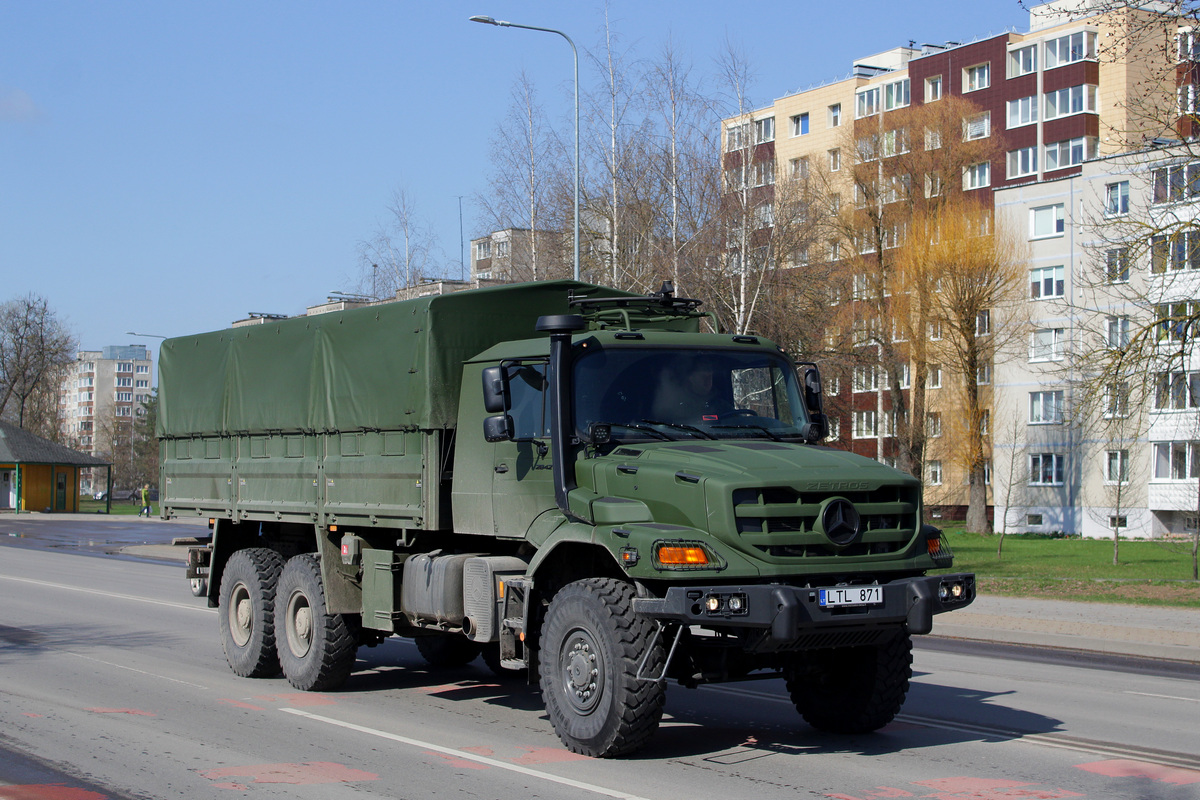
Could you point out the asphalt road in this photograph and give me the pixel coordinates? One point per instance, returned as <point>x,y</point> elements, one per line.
<point>115,686</point>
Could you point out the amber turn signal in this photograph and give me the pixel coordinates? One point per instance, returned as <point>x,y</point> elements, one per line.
<point>686,556</point>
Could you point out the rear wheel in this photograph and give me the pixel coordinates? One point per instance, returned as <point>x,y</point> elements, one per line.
<point>248,586</point>
<point>591,646</point>
<point>447,650</point>
<point>852,689</point>
<point>316,649</point>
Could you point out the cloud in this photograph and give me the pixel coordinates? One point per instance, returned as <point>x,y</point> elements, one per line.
<point>17,106</point>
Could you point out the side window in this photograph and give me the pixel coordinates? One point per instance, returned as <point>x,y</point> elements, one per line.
<point>527,394</point>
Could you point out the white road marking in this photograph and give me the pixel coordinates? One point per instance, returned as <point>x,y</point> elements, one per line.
<point>1165,696</point>
<point>115,595</point>
<point>491,762</point>
<point>131,669</point>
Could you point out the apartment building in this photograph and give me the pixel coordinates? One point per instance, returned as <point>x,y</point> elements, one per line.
<point>514,254</point>
<point>107,384</point>
<point>1073,88</point>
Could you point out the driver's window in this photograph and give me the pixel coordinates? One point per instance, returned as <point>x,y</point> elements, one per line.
<point>527,396</point>
<point>754,389</point>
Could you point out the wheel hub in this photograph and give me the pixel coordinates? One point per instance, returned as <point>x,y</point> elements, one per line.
<point>299,624</point>
<point>583,672</point>
<point>241,615</point>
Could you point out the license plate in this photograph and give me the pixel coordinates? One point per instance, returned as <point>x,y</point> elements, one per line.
<point>852,596</point>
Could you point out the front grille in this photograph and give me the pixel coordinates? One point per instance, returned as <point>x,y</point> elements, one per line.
<point>782,522</point>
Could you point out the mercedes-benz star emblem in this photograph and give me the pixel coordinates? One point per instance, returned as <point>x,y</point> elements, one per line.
<point>840,521</point>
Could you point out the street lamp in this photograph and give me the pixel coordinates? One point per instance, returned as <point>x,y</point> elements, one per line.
<point>150,335</point>
<point>575,53</point>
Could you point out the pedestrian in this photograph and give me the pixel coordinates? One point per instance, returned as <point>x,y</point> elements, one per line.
<point>145,500</point>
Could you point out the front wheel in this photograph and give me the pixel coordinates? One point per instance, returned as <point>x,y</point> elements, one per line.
<point>591,647</point>
<point>247,626</point>
<point>316,649</point>
<point>852,689</point>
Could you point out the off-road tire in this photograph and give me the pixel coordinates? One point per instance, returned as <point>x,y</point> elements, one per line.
<point>852,689</point>
<point>591,646</point>
<point>316,649</point>
<point>447,651</point>
<point>246,603</point>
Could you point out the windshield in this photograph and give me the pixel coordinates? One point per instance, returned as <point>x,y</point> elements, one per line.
<point>679,393</point>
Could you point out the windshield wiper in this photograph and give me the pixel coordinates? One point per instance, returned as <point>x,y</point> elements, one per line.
<point>681,426</point>
<point>767,431</point>
<point>637,426</point>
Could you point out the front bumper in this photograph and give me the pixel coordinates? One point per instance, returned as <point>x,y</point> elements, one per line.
<point>792,617</point>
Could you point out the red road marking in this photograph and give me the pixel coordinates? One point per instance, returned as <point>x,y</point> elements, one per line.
<point>48,791</point>
<point>299,699</point>
<point>132,711</point>
<point>461,763</point>
<point>307,773</point>
<point>29,714</point>
<point>963,788</point>
<point>240,704</point>
<point>1123,768</point>
<point>237,787</point>
<point>547,755</point>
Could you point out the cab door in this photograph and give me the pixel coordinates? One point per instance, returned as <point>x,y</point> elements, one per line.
<point>522,476</point>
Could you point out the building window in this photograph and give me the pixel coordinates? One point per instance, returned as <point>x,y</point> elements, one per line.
<point>835,159</point>
<point>1022,61</point>
<point>1070,153</point>
<point>1045,282</point>
<point>1046,221</point>
<point>764,175</point>
<point>1023,111</point>
<point>1046,469</point>
<point>1033,519</point>
<point>1046,408</point>
<point>1116,467</point>
<point>1177,252</point>
<point>764,130</point>
<point>1116,198</point>
<point>933,88</point>
<point>1046,344</point>
<point>896,95</point>
<point>1117,333</point>
<point>142,369</point>
<point>933,471</point>
<point>1116,265</point>
<point>978,126</point>
<point>141,384</point>
<point>933,424</point>
<point>798,168</point>
<point>1116,400</point>
<point>1180,182</point>
<point>977,77</point>
<point>983,322</point>
<point>1071,48</point>
<point>935,376</point>
<point>124,411</point>
<point>483,250</point>
<point>835,115</point>
<point>1072,100</point>
<point>124,381</point>
<point>124,366</point>
<point>978,176</point>
<point>799,124</point>
<point>866,378</point>
<point>1022,162</point>
<point>1118,522</point>
<point>983,375</point>
<point>1187,44</point>
<point>1177,391</point>
<point>1173,320</point>
<point>1176,461</point>
<point>866,103</point>
<point>864,424</point>
<point>1186,98</point>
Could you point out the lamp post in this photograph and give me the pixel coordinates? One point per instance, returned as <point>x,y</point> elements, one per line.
<point>575,53</point>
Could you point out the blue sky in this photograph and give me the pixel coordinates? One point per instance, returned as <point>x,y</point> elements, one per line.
<point>167,167</point>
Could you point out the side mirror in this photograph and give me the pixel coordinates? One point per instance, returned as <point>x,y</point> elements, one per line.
<point>814,403</point>
<point>495,390</point>
<point>498,428</point>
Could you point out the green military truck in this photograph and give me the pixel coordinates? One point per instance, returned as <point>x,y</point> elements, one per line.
<point>567,479</point>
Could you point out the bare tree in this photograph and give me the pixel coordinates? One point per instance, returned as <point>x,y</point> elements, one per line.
<point>403,251</point>
<point>35,349</point>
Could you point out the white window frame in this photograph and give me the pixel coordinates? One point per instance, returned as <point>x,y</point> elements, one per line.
<point>934,476</point>
<point>1116,467</point>
<point>1038,469</point>
<point>933,88</point>
<point>1069,152</point>
<point>866,424</point>
<point>1052,214</point>
<point>977,77</point>
<point>896,95</point>
<point>1023,161</point>
<point>1047,344</point>
<point>1022,111</point>
<point>1069,49</point>
<point>1046,407</point>
<point>1071,100</point>
<point>1116,199</point>
<point>1116,331</point>
<point>1176,461</point>
<point>978,126</point>
<point>1022,60</point>
<point>800,124</point>
<point>1042,277</point>
<point>835,159</point>
<point>764,130</point>
<point>977,176</point>
<point>834,115</point>
<point>868,102</point>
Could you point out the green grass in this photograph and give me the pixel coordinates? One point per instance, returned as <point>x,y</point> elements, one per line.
<point>1148,573</point>
<point>119,507</point>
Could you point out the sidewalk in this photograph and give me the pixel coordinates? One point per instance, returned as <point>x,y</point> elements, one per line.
<point>1143,631</point>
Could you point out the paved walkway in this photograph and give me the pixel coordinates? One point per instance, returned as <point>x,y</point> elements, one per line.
<point>1144,631</point>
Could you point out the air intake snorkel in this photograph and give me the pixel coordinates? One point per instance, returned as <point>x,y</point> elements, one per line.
<point>560,327</point>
